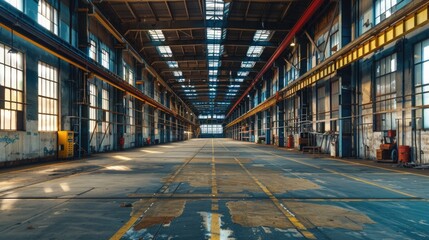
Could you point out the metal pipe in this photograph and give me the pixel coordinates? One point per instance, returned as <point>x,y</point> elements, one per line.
<point>315,4</point>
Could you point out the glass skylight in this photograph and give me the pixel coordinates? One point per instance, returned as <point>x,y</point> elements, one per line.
<point>255,51</point>
<point>189,90</point>
<point>181,80</point>
<point>248,64</point>
<point>173,64</point>
<point>177,73</point>
<point>165,51</point>
<point>213,63</point>
<point>213,72</point>
<point>214,49</point>
<point>239,80</point>
<point>234,86</point>
<point>156,35</point>
<point>214,33</point>
<point>190,94</point>
<point>242,74</point>
<point>262,35</point>
<point>188,86</point>
<point>214,9</point>
<point>231,94</point>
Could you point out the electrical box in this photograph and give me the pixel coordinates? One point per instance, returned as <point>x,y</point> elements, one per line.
<point>65,144</point>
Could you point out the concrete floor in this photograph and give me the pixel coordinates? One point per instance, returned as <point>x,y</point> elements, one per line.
<point>213,189</point>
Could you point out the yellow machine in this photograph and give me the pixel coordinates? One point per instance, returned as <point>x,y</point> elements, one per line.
<point>65,144</point>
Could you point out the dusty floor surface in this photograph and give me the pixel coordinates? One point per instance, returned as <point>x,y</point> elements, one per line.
<point>212,189</point>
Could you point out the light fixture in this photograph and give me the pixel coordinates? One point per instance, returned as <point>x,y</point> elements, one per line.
<point>12,50</point>
<point>292,44</point>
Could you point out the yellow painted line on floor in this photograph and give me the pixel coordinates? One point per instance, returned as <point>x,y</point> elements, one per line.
<point>290,216</point>
<point>338,173</point>
<point>130,223</point>
<point>215,219</point>
<point>118,235</point>
<point>215,227</point>
<point>371,166</point>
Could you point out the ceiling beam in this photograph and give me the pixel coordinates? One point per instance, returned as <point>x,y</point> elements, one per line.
<point>199,24</point>
<point>178,43</point>
<point>157,59</point>
<point>203,86</point>
<point>135,1</point>
<point>200,69</point>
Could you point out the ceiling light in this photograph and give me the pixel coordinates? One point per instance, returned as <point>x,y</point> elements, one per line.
<point>12,51</point>
<point>292,44</point>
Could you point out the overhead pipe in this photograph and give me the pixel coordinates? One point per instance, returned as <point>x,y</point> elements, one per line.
<point>315,4</point>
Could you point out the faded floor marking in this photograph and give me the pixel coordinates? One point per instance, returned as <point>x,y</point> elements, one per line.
<point>257,213</point>
<point>338,173</point>
<point>161,212</point>
<point>289,215</point>
<point>322,215</point>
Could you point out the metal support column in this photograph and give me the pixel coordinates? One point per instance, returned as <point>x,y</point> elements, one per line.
<point>280,106</point>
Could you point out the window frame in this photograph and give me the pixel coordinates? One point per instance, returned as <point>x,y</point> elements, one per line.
<point>44,96</point>
<point>12,89</point>
<point>384,104</point>
<point>105,58</point>
<point>421,82</point>
<point>44,19</point>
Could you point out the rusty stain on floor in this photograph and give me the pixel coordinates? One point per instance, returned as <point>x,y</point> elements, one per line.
<point>161,212</point>
<point>196,175</point>
<point>322,215</point>
<point>257,214</point>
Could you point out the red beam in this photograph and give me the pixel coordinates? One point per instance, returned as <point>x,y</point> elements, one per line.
<point>283,45</point>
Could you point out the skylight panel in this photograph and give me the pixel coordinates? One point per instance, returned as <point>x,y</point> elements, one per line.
<point>242,74</point>
<point>212,89</point>
<point>177,73</point>
<point>214,9</point>
<point>173,64</point>
<point>156,35</point>
<point>190,94</point>
<point>239,80</point>
<point>214,33</point>
<point>231,94</point>
<point>213,63</point>
<point>214,49</point>
<point>212,85</point>
<point>213,79</point>
<point>181,80</point>
<point>261,35</point>
<point>233,90</point>
<point>255,51</point>
<point>248,64</point>
<point>234,86</point>
<point>165,51</point>
<point>189,90</point>
<point>213,72</point>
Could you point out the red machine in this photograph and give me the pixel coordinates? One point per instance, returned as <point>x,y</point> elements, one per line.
<point>388,149</point>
